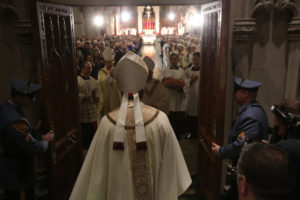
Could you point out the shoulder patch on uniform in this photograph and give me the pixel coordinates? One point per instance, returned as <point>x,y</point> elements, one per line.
<point>20,126</point>
<point>28,137</point>
<point>241,137</point>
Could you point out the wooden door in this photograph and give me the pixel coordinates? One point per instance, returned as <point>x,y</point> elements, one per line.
<point>214,40</point>
<point>55,56</point>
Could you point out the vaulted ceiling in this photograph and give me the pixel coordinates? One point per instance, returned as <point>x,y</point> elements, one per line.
<point>129,2</point>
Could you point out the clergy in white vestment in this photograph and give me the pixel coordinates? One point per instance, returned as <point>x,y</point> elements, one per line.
<point>110,93</point>
<point>134,154</point>
<point>193,79</point>
<point>165,52</point>
<point>181,56</point>
<point>175,82</point>
<point>155,94</point>
<point>89,94</point>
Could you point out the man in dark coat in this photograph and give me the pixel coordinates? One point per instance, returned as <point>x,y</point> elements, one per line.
<point>17,143</point>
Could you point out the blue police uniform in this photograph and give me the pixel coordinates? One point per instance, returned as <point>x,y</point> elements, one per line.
<point>252,123</point>
<point>17,143</point>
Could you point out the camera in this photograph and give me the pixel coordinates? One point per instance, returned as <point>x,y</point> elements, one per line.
<point>289,119</point>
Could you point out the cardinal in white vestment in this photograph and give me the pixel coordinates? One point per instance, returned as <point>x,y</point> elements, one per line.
<point>134,154</point>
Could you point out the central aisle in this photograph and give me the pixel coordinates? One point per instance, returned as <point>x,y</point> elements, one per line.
<point>188,146</point>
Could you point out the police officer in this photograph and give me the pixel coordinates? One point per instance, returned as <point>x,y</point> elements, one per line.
<point>251,124</point>
<point>17,143</point>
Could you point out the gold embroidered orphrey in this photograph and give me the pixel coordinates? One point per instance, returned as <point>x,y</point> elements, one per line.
<point>140,169</point>
<point>139,163</point>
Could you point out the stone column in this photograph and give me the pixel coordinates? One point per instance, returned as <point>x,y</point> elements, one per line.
<point>118,16</point>
<point>243,35</point>
<point>78,21</point>
<point>157,25</point>
<point>293,68</point>
<point>140,20</point>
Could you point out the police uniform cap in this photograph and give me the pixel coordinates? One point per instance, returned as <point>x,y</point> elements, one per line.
<point>240,83</point>
<point>24,87</point>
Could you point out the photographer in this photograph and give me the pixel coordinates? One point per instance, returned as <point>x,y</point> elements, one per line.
<point>287,132</point>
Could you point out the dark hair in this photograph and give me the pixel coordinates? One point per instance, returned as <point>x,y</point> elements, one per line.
<point>82,64</point>
<point>196,54</point>
<point>238,87</point>
<point>290,106</point>
<point>173,54</point>
<point>268,171</point>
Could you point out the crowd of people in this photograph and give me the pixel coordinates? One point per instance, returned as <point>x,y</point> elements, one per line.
<point>113,77</point>
<point>134,153</point>
<point>182,45</point>
<point>177,95</point>
<point>92,49</point>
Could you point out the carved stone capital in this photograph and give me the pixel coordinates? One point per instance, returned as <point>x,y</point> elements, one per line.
<point>8,8</point>
<point>24,31</point>
<point>244,29</point>
<point>286,5</point>
<point>262,6</point>
<point>294,29</point>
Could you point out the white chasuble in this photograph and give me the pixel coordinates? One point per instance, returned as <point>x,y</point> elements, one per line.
<point>158,173</point>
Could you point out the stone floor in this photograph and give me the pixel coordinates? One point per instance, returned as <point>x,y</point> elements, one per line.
<point>188,146</point>
<point>189,150</point>
<point>194,192</point>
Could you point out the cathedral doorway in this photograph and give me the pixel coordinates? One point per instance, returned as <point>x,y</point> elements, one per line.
<point>59,55</point>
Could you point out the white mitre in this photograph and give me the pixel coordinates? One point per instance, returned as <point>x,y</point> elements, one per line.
<point>107,54</point>
<point>131,74</point>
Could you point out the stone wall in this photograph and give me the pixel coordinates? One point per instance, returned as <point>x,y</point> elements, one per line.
<point>84,16</point>
<point>16,47</point>
<point>265,48</point>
